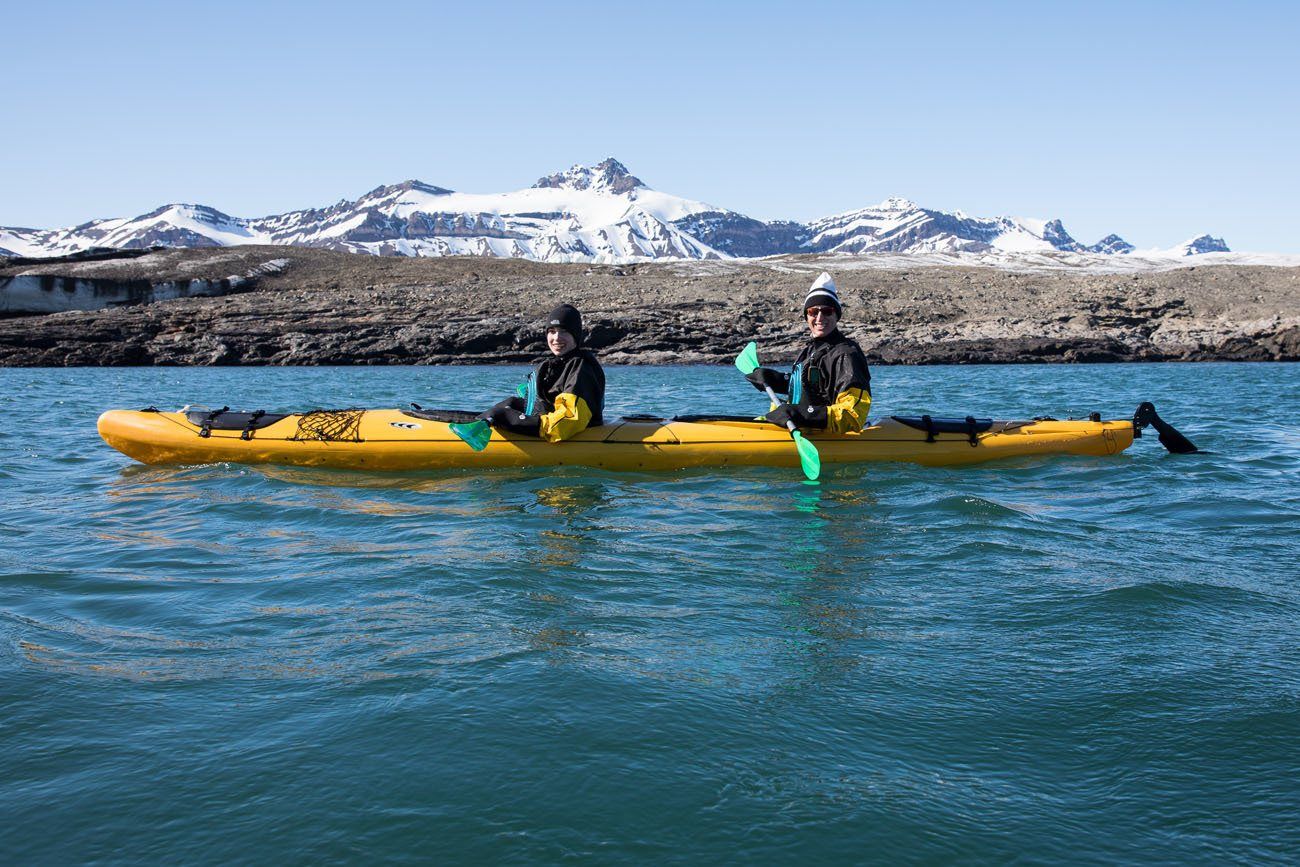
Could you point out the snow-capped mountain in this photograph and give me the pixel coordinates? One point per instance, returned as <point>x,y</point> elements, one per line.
<point>168,226</point>
<point>601,213</point>
<point>24,242</point>
<point>898,225</point>
<point>1202,244</point>
<point>1112,245</point>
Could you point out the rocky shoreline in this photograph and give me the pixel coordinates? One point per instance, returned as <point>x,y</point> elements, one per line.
<point>322,308</point>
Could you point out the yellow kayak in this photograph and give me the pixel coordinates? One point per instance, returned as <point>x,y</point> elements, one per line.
<point>393,439</point>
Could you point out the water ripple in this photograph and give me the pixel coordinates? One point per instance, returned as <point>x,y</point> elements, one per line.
<point>980,664</point>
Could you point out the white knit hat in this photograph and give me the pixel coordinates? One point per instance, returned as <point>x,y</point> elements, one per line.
<point>823,291</point>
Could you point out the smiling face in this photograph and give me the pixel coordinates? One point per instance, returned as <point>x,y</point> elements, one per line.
<point>822,320</point>
<point>559,340</point>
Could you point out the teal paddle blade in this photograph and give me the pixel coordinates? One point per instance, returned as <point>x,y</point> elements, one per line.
<point>475,434</point>
<point>528,391</point>
<point>809,458</point>
<point>747,360</point>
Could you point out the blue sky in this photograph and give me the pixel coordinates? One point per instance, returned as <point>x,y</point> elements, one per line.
<point>1158,121</point>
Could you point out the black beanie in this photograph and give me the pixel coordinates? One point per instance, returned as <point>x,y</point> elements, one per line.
<point>566,316</point>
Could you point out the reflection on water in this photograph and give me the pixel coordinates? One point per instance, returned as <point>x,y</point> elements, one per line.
<point>562,543</point>
<point>827,615</point>
<point>567,537</point>
<point>558,549</point>
<point>453,482</point>
<point>572,501</point>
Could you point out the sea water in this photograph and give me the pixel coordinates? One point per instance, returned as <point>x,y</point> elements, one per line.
<point>1041,660</point>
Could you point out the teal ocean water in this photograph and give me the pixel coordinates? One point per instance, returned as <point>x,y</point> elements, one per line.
<point>1078,660</point>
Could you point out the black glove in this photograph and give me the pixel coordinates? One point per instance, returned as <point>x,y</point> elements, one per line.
<point>765,377</point>
<point>804,416</point>
<point>508,418</point>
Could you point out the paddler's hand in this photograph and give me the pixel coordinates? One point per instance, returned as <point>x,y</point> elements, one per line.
<point>803,416</point>
<point>505,418</point>
<point>763,378</point>
<point>781,415</point>
<point>529,425</point>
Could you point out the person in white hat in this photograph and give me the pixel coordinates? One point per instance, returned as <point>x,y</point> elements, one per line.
<point>829,387</point>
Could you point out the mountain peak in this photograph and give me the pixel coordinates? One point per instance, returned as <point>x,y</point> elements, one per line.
<point>1054,233</point>
<point>406,187</point>
<point>1112,245</point>
<point>202,213</point>
<point>1203,244</point>
<point>422,187</point>
<point>609,176</point>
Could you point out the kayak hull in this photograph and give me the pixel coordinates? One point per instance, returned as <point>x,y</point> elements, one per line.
<point>391,440</point>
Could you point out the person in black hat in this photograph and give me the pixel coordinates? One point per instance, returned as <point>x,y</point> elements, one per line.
<point>830,386</point>
<point>566,391</point>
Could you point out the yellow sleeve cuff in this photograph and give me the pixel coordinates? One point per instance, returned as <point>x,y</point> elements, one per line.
<point>570,416</point>
<point>849,411</point>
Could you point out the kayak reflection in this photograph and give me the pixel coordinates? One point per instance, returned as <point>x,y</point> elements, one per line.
<point>562,544</point>
<point>551,620</point>
<point>827,618</point>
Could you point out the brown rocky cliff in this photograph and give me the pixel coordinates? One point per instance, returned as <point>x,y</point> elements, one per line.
<point>337,308</point>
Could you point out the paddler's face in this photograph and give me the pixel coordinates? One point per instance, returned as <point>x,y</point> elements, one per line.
<point>559,340</point>
<point>821,320</point>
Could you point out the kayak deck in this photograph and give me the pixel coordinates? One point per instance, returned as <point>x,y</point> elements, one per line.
<point>396,440</point>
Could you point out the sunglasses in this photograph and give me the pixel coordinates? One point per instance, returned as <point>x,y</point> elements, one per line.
<point>824,312</point>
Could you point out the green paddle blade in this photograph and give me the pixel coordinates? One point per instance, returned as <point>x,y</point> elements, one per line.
<point>528,391</point>
<point>747,360</point>
<point>475,434</point>
<point>809,458</point>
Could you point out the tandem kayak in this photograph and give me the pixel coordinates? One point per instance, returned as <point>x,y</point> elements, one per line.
<point>395,439</point>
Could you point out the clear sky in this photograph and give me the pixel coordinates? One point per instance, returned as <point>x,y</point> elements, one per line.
<point>1157,120</point>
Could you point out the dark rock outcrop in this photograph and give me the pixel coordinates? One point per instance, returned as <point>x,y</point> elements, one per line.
<point>738,235</point>
<point>1112,245</point>
<point>336,308</point>
<point>609,175</point>
<point>1205,244</point>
